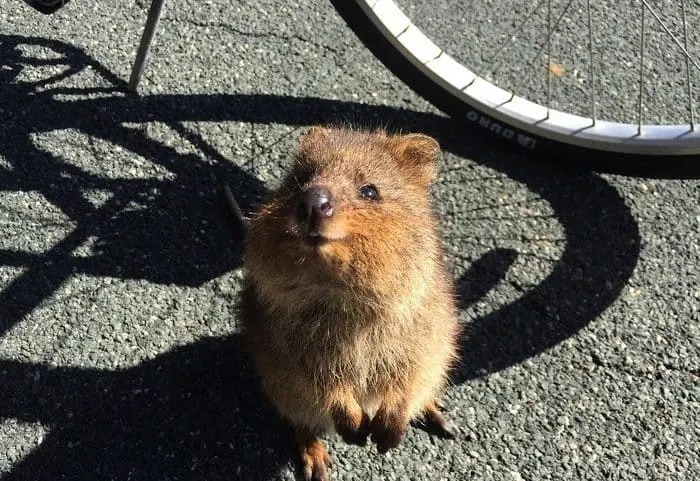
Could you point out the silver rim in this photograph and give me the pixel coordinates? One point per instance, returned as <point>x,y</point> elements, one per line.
<point>480,95</point>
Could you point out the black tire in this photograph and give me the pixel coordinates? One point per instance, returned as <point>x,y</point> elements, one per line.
<point>473,118</point>
<point>46,7</point>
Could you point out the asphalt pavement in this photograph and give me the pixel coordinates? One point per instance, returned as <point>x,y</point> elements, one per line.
<point>120,356</point>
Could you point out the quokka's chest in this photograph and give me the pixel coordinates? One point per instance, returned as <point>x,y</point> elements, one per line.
<point>362,356</point>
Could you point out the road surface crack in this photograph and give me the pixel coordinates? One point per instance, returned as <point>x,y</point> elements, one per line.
<point>245,33</point>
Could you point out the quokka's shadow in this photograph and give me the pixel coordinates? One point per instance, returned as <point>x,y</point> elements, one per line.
<point>192,413</point>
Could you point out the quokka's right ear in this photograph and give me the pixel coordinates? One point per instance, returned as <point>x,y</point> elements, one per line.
<point>419,154</point>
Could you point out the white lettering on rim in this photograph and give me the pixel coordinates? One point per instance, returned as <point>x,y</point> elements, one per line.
<point>509,134</point>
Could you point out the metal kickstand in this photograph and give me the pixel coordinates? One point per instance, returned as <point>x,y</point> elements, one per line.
<point>149,32</point>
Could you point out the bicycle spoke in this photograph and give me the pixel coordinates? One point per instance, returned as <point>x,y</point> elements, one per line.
<point>670,34</point>
<point>539,50</point>
<point>518,29</point>
<point>687,67</point>
<point>641,77</point>
<point>590,56</point>
<point>549,55</point>
<point>469,19</point>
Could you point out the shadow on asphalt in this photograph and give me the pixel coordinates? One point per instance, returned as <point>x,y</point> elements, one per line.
<point>191,413</point>
<point>195,412</point>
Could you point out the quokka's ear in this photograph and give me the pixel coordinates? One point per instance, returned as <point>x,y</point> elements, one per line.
<point>314,135</point>
<point>312,142</point>
<point>418,154</point>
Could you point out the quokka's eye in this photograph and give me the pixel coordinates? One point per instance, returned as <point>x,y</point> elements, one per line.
<point>300,176</point>
<point>369,192</point>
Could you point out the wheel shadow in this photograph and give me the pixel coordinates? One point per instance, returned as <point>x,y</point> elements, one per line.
<point>601,251</point>
<point>195,412</point>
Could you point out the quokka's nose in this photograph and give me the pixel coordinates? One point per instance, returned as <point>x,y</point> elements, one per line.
<point>315,204</point>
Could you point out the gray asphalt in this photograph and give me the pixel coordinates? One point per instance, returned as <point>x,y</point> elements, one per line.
<point>119,265</point>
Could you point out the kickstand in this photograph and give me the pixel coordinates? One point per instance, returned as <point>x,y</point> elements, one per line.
<point>149,32</point>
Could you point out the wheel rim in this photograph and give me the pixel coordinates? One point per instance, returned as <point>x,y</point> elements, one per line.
<point>520,120</point>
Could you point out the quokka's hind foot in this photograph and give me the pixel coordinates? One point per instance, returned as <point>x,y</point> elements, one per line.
<point>351,422</point>
<point>315,460</point>
<point>434,422</point>
<point>388,426</point>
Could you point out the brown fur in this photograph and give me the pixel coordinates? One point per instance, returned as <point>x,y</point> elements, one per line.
<point>357,333</point>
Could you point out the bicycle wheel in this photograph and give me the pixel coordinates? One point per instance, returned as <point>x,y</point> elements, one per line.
<point>534,124</point>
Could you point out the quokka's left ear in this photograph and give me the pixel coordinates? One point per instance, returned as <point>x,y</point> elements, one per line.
<point>419,154</point>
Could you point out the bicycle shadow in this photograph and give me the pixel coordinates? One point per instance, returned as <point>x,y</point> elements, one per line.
<point>166,231</point>
<point>174,416</point>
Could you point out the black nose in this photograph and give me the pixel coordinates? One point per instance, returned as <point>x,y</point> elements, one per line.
<point>315,204</point>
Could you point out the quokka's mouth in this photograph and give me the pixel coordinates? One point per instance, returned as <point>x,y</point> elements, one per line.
<point>315,239</point>
<point>315,234</point>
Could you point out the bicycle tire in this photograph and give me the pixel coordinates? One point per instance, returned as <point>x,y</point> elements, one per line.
<point>677,156</point>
